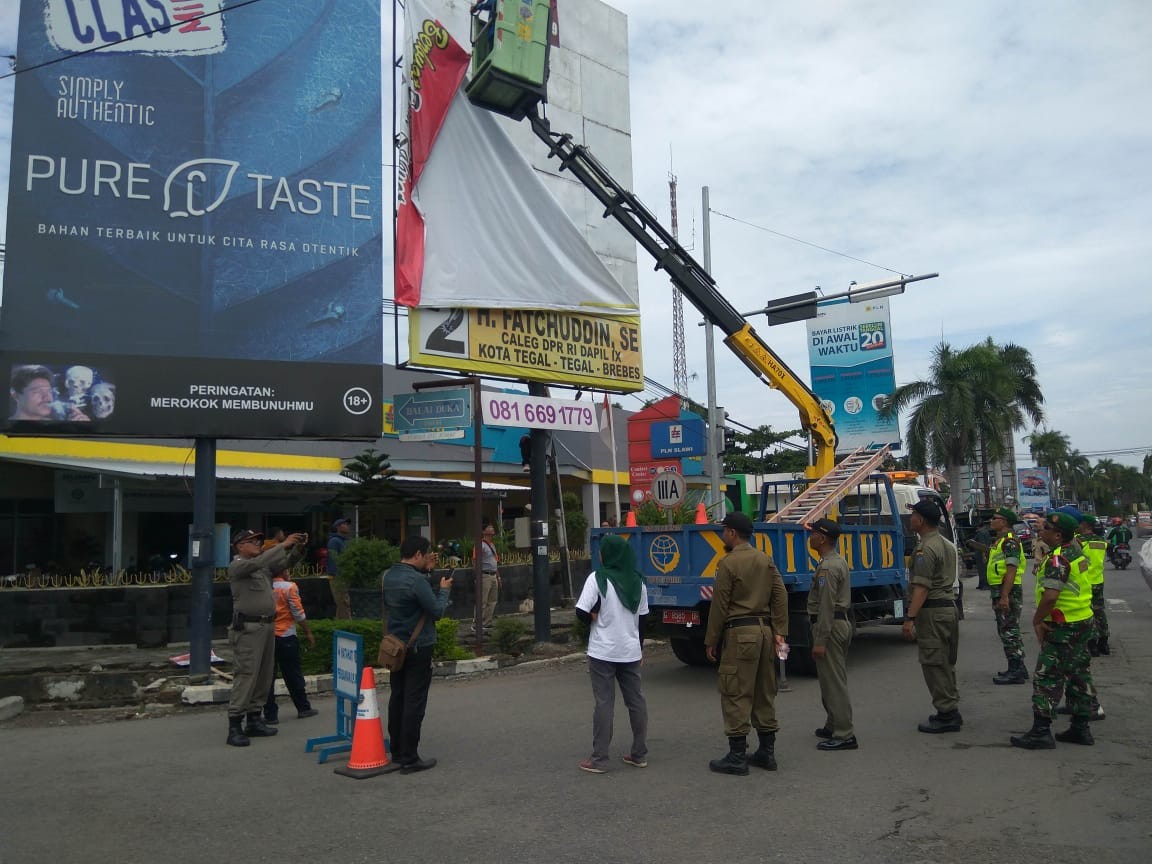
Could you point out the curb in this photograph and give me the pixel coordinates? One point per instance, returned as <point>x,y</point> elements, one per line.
<point>209,694</point>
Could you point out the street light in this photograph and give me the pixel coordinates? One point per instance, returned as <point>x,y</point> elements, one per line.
<point>799,307</point>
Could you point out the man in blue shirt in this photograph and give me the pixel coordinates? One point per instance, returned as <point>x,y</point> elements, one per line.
<point>410,606</point>
<point>337,540</point>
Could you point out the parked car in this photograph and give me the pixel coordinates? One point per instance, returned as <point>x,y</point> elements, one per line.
<point>1024,535</point>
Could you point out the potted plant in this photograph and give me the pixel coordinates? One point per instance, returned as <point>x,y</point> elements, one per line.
<point>360,567</point>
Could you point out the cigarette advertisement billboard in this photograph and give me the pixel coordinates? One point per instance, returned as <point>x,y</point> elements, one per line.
<point>850,354</point>
<point>195,220</point>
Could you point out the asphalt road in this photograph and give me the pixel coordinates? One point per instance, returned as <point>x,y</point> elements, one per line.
<point>507,787</point>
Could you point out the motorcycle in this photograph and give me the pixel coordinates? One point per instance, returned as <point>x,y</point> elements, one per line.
<point>1120,556</point>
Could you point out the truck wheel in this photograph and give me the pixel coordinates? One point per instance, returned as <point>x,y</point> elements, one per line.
<point>800,661</point>
<point>690,652</point>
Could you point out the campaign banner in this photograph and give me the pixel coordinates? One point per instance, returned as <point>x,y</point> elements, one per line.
<point>195,201</point>
<point>530,344</point>
<point>850,354</point>
<point>1035,488</point>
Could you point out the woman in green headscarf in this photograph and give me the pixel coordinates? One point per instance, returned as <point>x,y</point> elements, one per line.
<point>613,599</point>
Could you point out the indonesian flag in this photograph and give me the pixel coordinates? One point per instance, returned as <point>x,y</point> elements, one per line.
<point>476,226</point>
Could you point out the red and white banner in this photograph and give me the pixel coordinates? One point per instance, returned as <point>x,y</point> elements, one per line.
<point>434,66</point>
<point>477,227</point>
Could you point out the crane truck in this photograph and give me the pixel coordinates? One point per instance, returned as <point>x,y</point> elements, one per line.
<point>509,76</point>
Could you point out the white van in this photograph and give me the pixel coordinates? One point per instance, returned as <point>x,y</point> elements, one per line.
<point>870,501</point>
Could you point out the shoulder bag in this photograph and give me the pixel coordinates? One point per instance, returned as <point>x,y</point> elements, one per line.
<point>393,651</point>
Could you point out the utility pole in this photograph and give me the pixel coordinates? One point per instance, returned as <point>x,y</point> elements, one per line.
<point>715,436</point>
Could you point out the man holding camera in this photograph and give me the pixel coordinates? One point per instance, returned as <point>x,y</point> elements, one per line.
<point>252,634</point>
<point>411,607</point>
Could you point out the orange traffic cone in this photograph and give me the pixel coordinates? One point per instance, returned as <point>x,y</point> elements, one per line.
<point>630,520</point>
<point>701,514</point>
<point>369,757</point>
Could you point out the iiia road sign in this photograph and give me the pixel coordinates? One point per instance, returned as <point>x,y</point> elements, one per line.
<point>669,488</point>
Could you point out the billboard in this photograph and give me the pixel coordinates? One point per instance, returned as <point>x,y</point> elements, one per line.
<point>850,354</point>
<point>1035,488</point>
<point>531,344</point>
<point>195,220</point>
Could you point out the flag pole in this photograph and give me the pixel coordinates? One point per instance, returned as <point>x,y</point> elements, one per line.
<point>612,436</point>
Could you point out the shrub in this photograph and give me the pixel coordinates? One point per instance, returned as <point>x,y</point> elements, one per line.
<point>364,560</point>
<point>318,660</point>
<point>580,631</point>
<point>507,633</point>
<point>446,646</point>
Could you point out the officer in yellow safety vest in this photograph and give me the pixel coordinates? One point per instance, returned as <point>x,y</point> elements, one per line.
<point>1096,548</point>
<point>1005,580</point>
<point>1063,625</point>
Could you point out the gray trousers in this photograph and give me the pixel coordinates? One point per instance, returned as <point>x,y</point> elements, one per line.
<point>832,670</point>
<point>605,675</point>
<point>253,667</point>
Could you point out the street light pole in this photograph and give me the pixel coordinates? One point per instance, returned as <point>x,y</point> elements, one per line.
<point>715,435</point>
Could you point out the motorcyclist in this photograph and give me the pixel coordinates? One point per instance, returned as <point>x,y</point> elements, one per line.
<point>1118,534</point>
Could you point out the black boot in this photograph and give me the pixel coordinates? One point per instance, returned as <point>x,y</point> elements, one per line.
<point>1077,733</point>
<point>950,721</point>
<point>736,761</point>
<point>1014,674</point>
<point>765,757</point>
<point>1039,737</point>
<point>256,727</point>
<point>1102,647</point>
<point>236,736</point>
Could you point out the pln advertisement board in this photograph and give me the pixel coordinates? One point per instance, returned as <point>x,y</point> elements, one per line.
<point>550,346</point>
<point>1035,488</point>
<point>850,354</point>
<point>195,220</point>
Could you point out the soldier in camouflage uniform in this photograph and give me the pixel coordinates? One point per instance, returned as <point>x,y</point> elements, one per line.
<point>1096,548</point>
<point>1063,625</point>
<point>1005,579</point>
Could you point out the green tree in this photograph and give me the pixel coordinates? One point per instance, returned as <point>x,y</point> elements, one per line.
<point>760,452</point>
<point>942,426</point>
<point>373,474</point>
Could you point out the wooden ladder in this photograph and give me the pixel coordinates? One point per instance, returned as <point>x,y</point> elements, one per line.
<point>821,496</point>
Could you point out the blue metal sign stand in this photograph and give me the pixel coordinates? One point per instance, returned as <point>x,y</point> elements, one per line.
<point>347,669</point>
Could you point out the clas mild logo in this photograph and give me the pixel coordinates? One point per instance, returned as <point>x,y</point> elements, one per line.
<point>165,27</point>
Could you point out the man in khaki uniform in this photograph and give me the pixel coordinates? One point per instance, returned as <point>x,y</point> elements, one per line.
<point>932,620</point>
<point>252,634</point>
<point>749,615</point>
<point>829,600</point>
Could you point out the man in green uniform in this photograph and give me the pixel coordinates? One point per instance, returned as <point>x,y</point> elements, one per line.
<point>932,620</point>
<point>252,634</point>
<point>829,600</point>
<point>1096,551</point>
<point>749,615</point>
<point>1063,625</point>
<point>1005,579</point>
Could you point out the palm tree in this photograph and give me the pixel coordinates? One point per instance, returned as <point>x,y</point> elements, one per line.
<point>942,428</point>
<point>972,401</point>
<point>1009,397</point>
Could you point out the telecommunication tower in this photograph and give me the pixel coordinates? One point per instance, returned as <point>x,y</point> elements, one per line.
<point>679,354</point>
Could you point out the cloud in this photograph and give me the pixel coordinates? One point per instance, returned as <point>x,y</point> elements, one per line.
<point>1005,146</point>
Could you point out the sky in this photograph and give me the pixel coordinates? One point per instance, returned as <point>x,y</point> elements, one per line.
<point>1006,146</point>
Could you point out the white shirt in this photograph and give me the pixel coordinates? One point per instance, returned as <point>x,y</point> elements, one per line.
<point>615,634</point>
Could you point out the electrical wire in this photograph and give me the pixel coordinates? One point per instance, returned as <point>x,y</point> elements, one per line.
<point>805,242</point>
